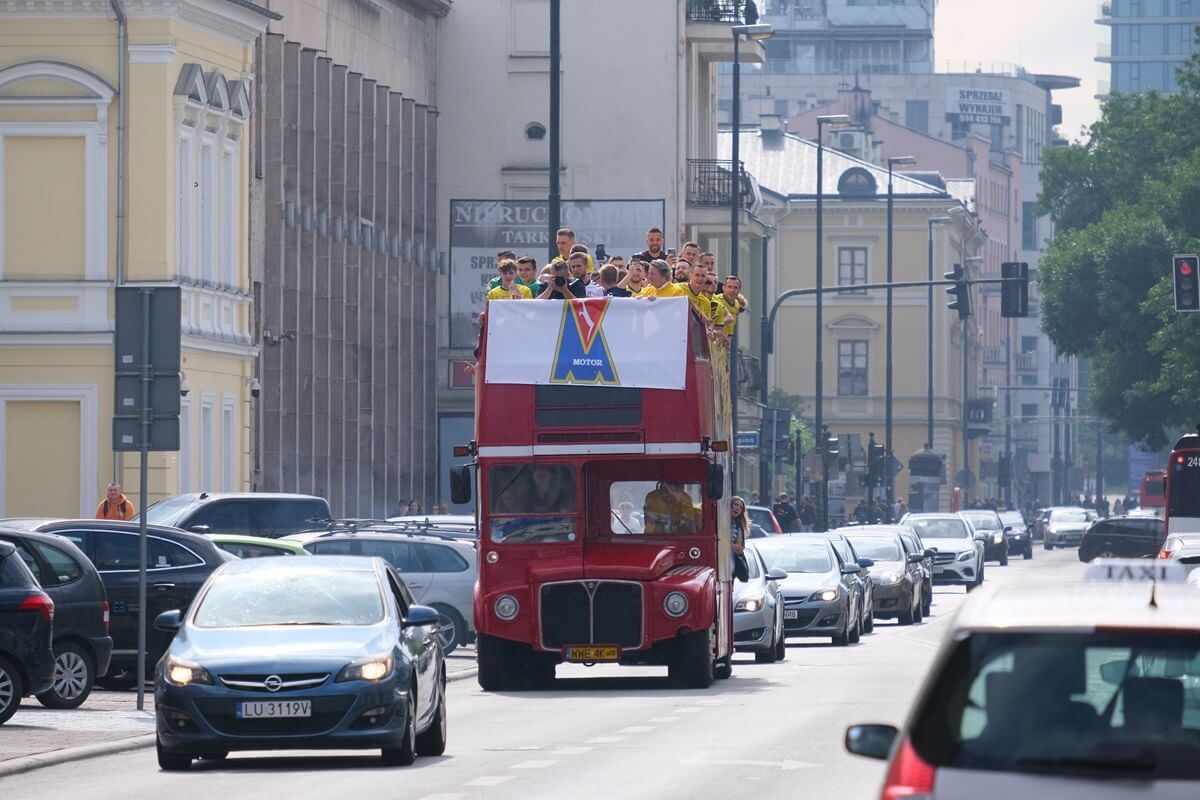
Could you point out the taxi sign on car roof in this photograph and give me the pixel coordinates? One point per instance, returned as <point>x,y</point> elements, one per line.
<point>1136,570</point>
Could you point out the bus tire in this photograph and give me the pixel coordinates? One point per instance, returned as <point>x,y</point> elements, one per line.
<point>495,664</point>
<point>693,663</point>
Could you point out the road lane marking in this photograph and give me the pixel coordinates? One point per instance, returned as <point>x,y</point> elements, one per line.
<point>535,764</point>
<point>442,796</point>
<point>606,740</point>
<point>688,710</point>
<point>572,751</point>
<point>490,780</point>
<point>663,719</point>
<point>637,729</point>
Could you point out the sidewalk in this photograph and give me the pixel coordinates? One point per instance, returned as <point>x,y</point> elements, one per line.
<point>109,722</point>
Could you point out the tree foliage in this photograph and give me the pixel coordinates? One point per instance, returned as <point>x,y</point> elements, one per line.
<point>1123,203</point>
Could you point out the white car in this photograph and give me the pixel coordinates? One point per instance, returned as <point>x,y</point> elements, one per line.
<point>959,556</point>
<point>1089,690</point>
<point>1066,526</point>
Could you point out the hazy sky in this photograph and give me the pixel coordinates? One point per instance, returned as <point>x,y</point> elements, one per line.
<point>1051,36</point>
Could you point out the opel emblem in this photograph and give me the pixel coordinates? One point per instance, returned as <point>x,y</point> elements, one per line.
<point>273,683</point>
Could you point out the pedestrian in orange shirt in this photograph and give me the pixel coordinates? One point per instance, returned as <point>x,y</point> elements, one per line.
<point>115,506</point>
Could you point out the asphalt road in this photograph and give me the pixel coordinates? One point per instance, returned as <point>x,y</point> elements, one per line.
<point>773,730</point>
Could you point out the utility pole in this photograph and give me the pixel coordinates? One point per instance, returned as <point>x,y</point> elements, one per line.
<point>554,203</point>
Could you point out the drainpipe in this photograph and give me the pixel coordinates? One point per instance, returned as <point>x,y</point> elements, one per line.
<point>122,124</point>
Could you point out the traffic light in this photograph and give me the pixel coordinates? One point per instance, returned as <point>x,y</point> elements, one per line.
<point>831,443</point>
<point>960,292</point>
<point>876,462</point>
<point>1014,292</point>
<point>1004,468</point>
<point>1187,290</point>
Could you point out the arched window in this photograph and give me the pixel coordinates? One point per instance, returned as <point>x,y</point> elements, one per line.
<point>857,181</point>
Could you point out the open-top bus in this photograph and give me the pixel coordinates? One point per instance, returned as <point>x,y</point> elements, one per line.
<point>600,460</point>
<point>1183,486</point>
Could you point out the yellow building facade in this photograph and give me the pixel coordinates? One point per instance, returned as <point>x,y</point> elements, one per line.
<point>65,243</point>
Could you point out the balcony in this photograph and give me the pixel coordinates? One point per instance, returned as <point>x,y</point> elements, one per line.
<point>1104,12</point>
<point>709,183</point>
<point>993,355</point>
<point>708,32</point>
<point>730,12</point>
<point>1027,362</point>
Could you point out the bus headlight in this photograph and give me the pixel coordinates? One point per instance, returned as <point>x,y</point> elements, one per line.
<point>675,604</point>
<point>507,607</point>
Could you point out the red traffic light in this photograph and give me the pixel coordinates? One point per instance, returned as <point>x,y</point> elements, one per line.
<point>1186,268</point>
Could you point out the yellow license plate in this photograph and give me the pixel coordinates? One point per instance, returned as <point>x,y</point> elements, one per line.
<point>591,653</point>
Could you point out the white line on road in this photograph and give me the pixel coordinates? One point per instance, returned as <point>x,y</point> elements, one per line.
<point>572,751</point>
<point>442,796</point>
<point>606,740</point>
<point>637,729</point>
<point>663,719</point>
<point>490,780</point>
<point>535,764</point>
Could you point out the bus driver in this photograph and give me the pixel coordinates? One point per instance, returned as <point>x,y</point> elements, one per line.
<point>669,509</point>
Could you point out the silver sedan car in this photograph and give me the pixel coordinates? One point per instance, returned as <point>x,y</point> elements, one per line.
<point>958,557</point>
<point>758,611</point>
<point>818,593</point>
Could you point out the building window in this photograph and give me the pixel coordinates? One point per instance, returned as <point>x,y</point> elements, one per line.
<point>852,268</point>
<point>535,131</point>
<point>208,467</point>
<point>208,213</point>
<point>185,447</point>
<point>1029,410</point>
<point>1029,344</point>
<point>916,115</point>
<point>184,207</point>
<point>1029,225</point>
<point>228,445</point>
<point>1029,380</point>
<point>229,205</point>
<point>852,369</point>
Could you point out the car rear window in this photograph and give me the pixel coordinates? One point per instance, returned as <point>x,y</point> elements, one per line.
<point>63,567</point>
<point>169,511</point>
<point>1114,705</point>
<point>291,597</point>
<point>877,549</point>
<point>985,521</point>
<point>444,559</point>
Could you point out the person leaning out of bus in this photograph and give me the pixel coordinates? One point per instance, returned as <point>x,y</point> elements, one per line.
<point>739,532</point>
<point>115,505</point>
<point>509,289</point>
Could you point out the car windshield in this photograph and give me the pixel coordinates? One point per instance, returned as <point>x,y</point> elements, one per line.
<point>987,521</point>
<point>939,528</point>
<point>799,557</point>
<point>655,507</point>
<point>1012,518</point>
<point>1069,516</point>
<point>169,511</point>
<point>763,518</point>
<point>291,597</point>
<point>1099,704</point>
<point>877,549</point>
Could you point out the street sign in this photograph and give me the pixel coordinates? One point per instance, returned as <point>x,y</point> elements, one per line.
<point>895,465</point>
<point>747,440</point>
<point>147,335</point>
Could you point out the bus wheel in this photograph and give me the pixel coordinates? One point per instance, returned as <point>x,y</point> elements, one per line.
<point>693,663</point>
<point>495,664</point>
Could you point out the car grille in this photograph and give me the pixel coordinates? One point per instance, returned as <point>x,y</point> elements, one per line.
<point>944,558</point>
<point>287,682</point>
<point>591,612</point>
<point>327,712</point>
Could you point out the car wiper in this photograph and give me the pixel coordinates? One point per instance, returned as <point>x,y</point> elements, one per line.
<point>1141,761</point>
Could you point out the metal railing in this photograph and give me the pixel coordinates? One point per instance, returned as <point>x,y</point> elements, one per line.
<point>726,11</point>
<point>708,183</point>
<point>1027,361</point>
<point>993,354</point>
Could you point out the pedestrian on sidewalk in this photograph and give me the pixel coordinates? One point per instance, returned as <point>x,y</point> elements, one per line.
<point>116,505</point>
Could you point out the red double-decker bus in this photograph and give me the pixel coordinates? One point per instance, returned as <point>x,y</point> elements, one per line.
<point>600,461</point>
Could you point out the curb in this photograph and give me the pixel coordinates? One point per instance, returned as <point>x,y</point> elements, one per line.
<point>16,766</point>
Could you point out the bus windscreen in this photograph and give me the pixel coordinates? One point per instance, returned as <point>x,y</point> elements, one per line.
<point>1184,497</point>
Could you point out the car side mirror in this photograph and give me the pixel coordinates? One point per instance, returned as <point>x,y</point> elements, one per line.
<point>930,553</point>
<point>169,621</point>
<point>716,481</point>
<point>916,558</point>
<point>460,484</point>
<point>1008,528</point>
<point>851,569</point>
<point>776,574</point>
<point>419,616</point>
<point>866,563</point>
<point>871,741</point>
<point>199,528</point>
<point>979,537</point>
<point>1115,672</point>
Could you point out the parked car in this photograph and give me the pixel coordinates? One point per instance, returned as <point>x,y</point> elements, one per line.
<point>439,570</point>
<point>914,546</point>
<point>866,588</point>
<point>81,643</point>
<point>764,518</point>
<point>1122,537</point>
<point>1039,523</point>
<point>1020,540</point>
<point>177,564</point>
<point>256,546</point>
<point>26,620</point>
<point>818,592</point>
<point>758,611</point>
<point>1066,526</point>
<point>994,534</point>
<point>301,653</point>
<point>897,575</point>
<point>459,525</point>
<point>245,513</point>
<point>957,555</point>
<point>1183,547</point>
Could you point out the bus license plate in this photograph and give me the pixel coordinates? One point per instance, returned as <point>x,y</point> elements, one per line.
<point>274,709</point>
<point>591,653</point>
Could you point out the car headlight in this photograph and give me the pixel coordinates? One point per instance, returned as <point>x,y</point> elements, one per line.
<point>507,607</point>
<point>372,669</point>
<point>750,604</point>
<point>179,672</point>
<point>891,578</point>
<point>998,538</point>
<point>825,595</point>
<point>966,555</point>
<point>675,604</point>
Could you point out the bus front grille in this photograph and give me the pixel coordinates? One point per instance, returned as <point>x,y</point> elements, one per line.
<point>591,612</point>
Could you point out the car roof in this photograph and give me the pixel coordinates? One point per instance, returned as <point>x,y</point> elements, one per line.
<point>436,519</point>
<point>7,549</point>
<point>318,563</point>
<point>375,536</point>
<point>25,523</point>
<point>263,541</point>
<point>245,496</point>
<point>126,527</point>
<point>790,538</point>
<point>932,515</point>
<point>54,539</point>
<point>1081,607</point>
<point>877,531</point>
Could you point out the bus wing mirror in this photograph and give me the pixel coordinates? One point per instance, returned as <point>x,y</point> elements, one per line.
<point>460,484</point>
<point>716,481</point>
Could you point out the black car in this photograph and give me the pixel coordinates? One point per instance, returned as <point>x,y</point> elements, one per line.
<point>177,564</point>
<point>1122,537</point>
<point>82,646</point>
<point>26,620</point>
<point>991,531</point>
<point>244,513</point>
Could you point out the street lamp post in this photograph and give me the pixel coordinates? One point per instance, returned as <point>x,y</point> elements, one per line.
<point>756,33</point>
<point>929,329</point>
<point>892,163</point>
<point>835,120</point>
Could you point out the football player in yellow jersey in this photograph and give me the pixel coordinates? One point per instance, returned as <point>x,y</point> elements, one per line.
<point>732,301</point>
<point>669,509</point>
<point>509,289</point>
<point>635,281</point>
<point>697,279</point>
<point>661,284</point>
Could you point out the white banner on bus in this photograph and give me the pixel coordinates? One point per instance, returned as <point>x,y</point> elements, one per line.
<point>600,341</point>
